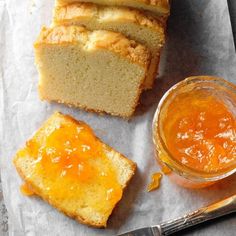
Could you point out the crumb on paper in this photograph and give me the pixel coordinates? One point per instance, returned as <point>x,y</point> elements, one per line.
<point>155,182</point>
<point>32,5</point>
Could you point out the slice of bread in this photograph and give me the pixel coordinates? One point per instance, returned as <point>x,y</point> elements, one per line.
<point>134,24</point>
<point>97,70</point>
<point>66,165</point>
<point>158,7</point>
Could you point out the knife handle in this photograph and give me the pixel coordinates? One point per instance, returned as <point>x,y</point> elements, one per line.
<point>215,210</point>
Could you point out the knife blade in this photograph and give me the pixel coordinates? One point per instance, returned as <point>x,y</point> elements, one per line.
<point>221,208</point>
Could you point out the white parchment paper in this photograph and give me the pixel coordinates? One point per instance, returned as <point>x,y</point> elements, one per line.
<point>199,42</point>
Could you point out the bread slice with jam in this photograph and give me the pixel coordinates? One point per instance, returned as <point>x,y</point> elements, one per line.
<point>70,168</point>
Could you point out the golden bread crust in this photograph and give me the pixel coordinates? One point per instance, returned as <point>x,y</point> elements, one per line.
<point>94,40</point>
<point>159,7</point>
<point>83,10</point>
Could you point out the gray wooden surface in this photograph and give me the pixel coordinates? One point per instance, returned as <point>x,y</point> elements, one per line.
<point>3,211</point>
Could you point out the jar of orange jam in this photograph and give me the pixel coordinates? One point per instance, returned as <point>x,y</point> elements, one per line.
<point>194,131</point>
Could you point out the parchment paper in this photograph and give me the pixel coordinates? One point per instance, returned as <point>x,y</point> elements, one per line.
<point>199,42</point>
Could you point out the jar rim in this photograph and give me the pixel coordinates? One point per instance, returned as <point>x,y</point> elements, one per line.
<point>170,161</point>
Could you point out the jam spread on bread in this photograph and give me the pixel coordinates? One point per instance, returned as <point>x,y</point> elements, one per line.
<point>72,154</point>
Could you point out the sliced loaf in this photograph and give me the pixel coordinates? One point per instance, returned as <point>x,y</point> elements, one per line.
<point>97,70</point>
<point>134,24</point>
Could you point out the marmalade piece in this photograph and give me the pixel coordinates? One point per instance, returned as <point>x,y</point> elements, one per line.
<point>155,182</point>
<point>200,132</point>
<point>25,190</point>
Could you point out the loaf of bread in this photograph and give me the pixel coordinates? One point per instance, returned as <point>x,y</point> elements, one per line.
<point>134,24</point>
<point>97,70</point>
<point>66,165</point>
<point>158,7</point>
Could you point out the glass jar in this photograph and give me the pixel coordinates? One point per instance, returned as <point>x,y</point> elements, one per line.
<point>176,170</point>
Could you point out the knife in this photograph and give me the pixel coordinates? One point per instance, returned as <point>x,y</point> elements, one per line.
<point>210,212</point>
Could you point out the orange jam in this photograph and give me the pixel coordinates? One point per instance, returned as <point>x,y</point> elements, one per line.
<point>155,182</point>
<point>200,132</point>
<point>72,163</point>
<point>25,190</point>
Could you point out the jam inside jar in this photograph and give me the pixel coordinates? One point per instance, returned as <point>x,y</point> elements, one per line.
<point>194,131</point>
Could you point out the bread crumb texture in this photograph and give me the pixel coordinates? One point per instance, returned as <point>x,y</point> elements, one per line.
<point>96,70</point>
